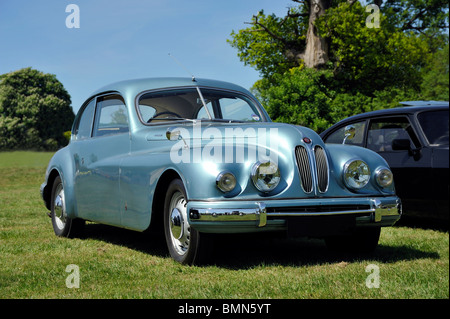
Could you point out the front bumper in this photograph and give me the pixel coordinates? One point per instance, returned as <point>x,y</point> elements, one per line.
<point>273,215</point>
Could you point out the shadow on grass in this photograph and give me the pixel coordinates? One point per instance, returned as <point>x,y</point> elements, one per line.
<point>149,243</point>
<point>247,251</point>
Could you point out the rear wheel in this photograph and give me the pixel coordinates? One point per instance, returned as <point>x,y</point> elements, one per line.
<point>63,225</point>
<point>185,244</point>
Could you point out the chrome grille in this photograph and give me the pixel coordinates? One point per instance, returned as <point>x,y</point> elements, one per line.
<point>321,168</point>
<point>304,168</point>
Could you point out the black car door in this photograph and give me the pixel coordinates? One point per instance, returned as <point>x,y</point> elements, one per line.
<point>411,166</point>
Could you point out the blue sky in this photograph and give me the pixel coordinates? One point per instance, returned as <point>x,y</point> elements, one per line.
<point>120,40</point>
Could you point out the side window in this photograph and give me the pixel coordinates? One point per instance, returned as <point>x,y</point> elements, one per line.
<point>337,137</point>
<point>84,128</point>
<point>383,131</point>
<point>111,116</point>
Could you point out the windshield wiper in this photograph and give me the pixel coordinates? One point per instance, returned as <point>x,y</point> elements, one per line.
<point>224,120</point>
<point>170,119</point>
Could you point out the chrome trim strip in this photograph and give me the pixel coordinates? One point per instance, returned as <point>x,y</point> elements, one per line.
<point>378,209</point>
<point>342,212</point>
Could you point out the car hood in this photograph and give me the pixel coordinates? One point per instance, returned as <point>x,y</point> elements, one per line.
<point>225,131</point>
<point>280,138</point>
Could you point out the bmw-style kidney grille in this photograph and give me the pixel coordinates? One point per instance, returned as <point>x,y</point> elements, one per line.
<point>321,168</point>
<point>305,168</point>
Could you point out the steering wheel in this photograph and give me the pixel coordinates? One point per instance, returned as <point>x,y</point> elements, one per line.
<point>162,113</point>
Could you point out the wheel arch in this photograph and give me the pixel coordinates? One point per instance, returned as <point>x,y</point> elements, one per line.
<point>47,194</point>
<point>156,223</point>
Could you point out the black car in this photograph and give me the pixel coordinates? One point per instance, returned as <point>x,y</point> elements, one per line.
<point>413,139</point>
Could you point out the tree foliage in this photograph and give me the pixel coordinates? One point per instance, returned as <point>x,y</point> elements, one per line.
<point>34,111</point>
<point>367,68</point>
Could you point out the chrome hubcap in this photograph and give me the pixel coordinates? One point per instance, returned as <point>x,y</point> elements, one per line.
<point>176,224</point>
<point>179,227</point>
<point>59,208</point>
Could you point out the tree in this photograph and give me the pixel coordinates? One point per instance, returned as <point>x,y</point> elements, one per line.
<point>327,47</point>
<point>34,111</point>
<point>316,51</point>
<point>435,85</point>
<point>366,59</point>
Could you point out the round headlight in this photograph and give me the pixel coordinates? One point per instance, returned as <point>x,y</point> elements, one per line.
<point>226,182</point>
<point>384,177</point>
<point>356,174</point>
<point>265,176</point>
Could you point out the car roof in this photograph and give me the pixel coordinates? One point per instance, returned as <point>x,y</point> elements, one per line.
<point>418,106</point>
<point>137,86</point>
<point>425,103</point>
<point>398,110</point>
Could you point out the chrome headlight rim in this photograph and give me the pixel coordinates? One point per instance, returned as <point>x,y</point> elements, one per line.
<point>226,181</point>
<point>352,183</point>
<point>379,177</point>
<point>263,186</point>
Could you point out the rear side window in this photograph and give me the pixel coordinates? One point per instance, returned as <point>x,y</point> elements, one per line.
<point>435,126</point>
<point>84,128</point>
<point>111,116</point>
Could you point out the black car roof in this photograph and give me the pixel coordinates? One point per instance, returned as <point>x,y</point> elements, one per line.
<point>419,106</point>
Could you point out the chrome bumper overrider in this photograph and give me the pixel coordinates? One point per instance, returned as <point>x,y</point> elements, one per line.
<point>374,211</point>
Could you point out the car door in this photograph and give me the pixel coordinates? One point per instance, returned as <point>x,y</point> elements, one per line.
<point>98,159</point>
<point>411,167</point>
<point>435,128</point>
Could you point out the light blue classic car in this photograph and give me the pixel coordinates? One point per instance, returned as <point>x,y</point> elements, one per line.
<point>199,157</point>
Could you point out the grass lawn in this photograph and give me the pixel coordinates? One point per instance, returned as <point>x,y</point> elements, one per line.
<point>117,263</point>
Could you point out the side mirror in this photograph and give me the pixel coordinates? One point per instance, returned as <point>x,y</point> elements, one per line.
<point>401,145</point>
<point>349,133</point>
<point>405,145</point>
<point>173,134</point>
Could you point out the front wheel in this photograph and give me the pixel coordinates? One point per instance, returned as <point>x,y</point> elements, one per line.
<point>185,244</point>
<point>63,225</point>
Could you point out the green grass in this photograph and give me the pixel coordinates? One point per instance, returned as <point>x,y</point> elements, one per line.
<point>117,263</point>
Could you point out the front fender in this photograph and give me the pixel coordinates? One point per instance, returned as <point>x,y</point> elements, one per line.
<point>340,154</point>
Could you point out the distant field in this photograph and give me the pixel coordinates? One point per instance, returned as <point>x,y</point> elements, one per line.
<point>115,263</point>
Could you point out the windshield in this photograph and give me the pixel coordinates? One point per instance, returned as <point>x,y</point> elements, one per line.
<point>157,107</point>
<point>435,126</point>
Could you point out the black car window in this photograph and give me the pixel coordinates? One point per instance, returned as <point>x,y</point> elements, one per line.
<point>84,126</point>
<point>383,131</point>
<point>435,126</point>
<point>111,116</point>
<point>337,137</point>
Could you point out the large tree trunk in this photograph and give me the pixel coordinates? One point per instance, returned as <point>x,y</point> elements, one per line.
<point>316,51</point>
